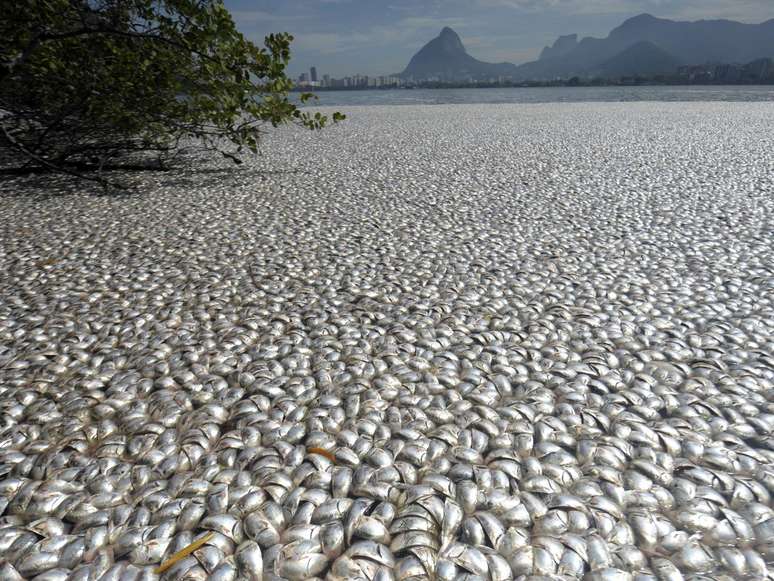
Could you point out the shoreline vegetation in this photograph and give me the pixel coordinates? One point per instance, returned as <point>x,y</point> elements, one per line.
<point>87,87</point>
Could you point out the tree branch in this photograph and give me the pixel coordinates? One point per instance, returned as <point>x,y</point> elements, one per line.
<point>43,161</point>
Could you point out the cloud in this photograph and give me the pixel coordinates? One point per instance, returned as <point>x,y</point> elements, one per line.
<point>243,17</point>
<point>325,43</point>
<point>746,10</point>
<point>406,30</point>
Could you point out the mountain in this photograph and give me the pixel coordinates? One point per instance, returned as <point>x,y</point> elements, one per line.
<point>641,45</point>
<point>643,58</point>
<point>563,45</point>
<point>719,41</point>
<point>445,58</point>
<point>700,41</point>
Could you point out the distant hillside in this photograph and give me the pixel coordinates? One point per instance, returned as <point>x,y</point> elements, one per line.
<point>564,45</point>
<point>717,41</point>
<point>445,58</point>
<point>643,58</point>
<point>640,46</point>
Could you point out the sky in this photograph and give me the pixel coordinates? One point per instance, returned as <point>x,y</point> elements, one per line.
<point>379,37</point>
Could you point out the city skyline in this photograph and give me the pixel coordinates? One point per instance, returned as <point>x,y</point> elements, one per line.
<point>311,79</point>
<point>369,37</point>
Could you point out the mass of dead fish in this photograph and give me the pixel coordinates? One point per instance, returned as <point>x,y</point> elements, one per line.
<point>285,379</point>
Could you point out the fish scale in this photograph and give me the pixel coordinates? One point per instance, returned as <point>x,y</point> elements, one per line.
<point>333,378</point>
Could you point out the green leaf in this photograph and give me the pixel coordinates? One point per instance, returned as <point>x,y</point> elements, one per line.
<point>190,73</point>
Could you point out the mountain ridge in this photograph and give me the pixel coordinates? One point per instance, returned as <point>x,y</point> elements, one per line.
<point>644,44</point>
<point>642,58</point>
<point>445,57</point>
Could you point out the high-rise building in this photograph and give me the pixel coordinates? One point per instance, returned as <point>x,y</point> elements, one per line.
<point>302,78</point>
<point>313,74</point>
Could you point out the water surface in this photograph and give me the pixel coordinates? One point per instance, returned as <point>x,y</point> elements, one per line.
<point>746,93</point>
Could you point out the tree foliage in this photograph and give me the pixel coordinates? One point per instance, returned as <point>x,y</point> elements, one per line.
<point>84,83</point>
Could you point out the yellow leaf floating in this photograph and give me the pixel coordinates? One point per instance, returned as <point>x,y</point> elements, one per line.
<point>323,452</point>
<point>183,553</point>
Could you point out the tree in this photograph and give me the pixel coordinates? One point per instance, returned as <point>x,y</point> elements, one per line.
<point>86,84</point>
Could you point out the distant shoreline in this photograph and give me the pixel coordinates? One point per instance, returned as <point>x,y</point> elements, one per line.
<point>534,85</point>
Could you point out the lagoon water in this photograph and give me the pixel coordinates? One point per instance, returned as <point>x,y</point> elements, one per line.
<point>730,93</point>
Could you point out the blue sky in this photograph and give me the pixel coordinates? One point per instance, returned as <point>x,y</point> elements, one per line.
<point>344,37</point>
